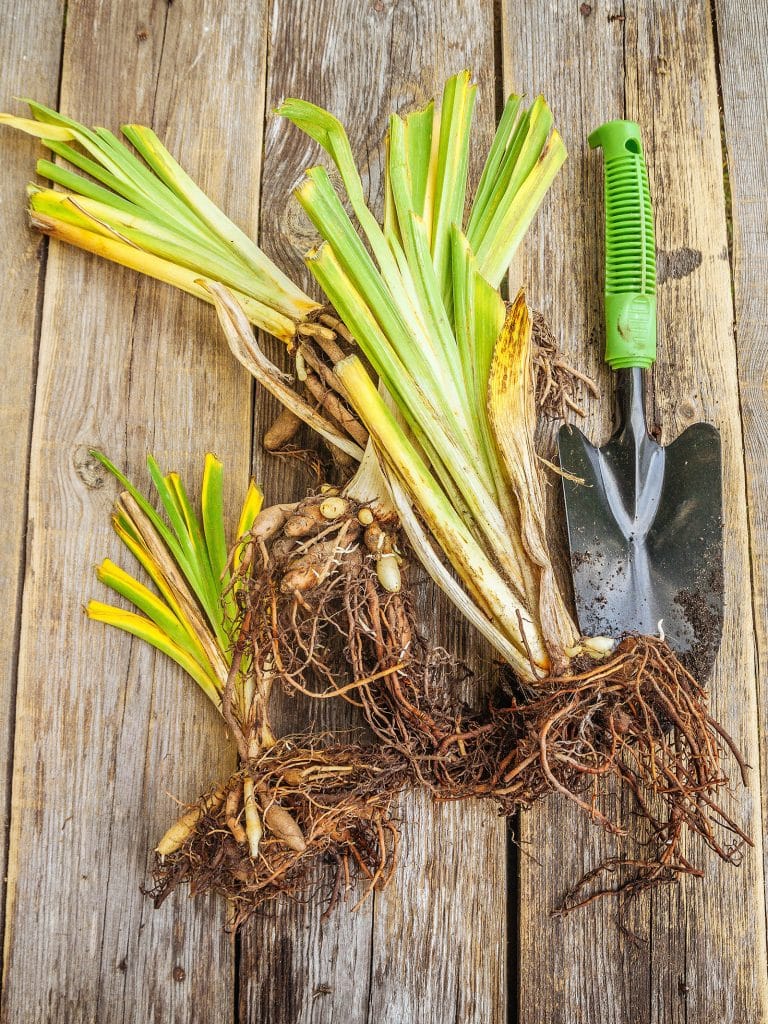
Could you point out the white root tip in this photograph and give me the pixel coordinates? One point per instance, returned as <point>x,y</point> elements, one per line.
<point>333,508</point>
<point>388,571</point>
<point>301,366</point>
<point>253,827</point>
<point>597,647</point>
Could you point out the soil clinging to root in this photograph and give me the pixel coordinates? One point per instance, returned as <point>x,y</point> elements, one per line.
<point>639,717</point>
<point>327,826</point>
<point>325,611</point>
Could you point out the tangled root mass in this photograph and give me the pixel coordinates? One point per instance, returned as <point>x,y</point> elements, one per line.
<point>338,802</point>
<point>313,599</point>
<point>640,718</point>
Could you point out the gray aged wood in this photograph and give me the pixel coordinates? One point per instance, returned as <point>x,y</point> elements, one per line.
<point>654,64</point>
<point>436,938</point>
<point>696,379</point>
<point>105,743</point>
<point>30,65</point>
<point>568,969</point>
<point>742,35</point>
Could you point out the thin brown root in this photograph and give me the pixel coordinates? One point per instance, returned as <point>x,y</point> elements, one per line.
<point>642,719</point>
<point>556,383</point>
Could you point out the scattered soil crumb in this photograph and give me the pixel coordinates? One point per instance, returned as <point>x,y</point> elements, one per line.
<point>705,621</point>
<point>676,263</point>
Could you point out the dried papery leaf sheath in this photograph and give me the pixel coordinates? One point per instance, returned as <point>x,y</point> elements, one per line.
<point>241,341</point>
<point>512,414</point>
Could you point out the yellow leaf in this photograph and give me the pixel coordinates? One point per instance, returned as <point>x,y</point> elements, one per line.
<point>144,629</point>
<point>254,500</point>
<point>55,132</point>
<point>151,605</point>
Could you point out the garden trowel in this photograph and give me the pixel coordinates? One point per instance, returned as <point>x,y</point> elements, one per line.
<point>644,522</point>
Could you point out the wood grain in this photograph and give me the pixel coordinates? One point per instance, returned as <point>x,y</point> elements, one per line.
<point>567,970</point>
<point>742,35</point>
<point>448,908</point>
<point>30,67</point>
<point>659,61</point>
<point>432,947</point>
<point>696,378</point>
<point>109,736</point>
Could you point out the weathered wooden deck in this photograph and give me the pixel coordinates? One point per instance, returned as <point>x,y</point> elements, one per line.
<point>97,738</point>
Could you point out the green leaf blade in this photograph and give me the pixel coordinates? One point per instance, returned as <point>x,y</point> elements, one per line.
<point>143,628</point>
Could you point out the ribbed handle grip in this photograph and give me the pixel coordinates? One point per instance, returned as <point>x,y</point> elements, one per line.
<point>630,255</point>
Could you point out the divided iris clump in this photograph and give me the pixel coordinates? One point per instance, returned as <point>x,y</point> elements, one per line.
<point>291,801</point>
<point>418,370</point>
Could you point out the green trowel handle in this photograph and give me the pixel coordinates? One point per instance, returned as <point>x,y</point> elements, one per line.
<point>630,259</point>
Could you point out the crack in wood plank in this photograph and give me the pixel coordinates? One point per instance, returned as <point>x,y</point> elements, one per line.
<point>22,267</point>
<point>742,36</point>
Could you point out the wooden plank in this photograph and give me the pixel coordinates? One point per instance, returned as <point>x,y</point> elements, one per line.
<point>30,62</point>
<point>568,970</point>
<point>310,969</point>
<point>432,948</point>
<point>108,736</point>
<point>671,80</point>
<point>653,63</point>
<point>448,907</point>
<point>742,37</point>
